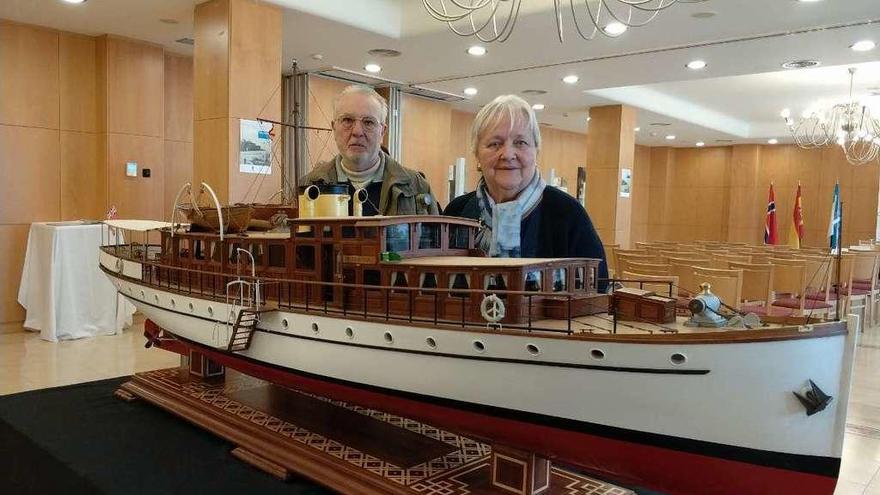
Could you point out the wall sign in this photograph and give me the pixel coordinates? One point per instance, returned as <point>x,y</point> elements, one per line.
<point>255,149</point>
<point>626,179</point>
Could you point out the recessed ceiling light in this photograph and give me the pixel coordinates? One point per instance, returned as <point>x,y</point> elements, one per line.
<point>538,106</point>
<point>470,91</point>
<point>863,46</point>
<point>700,144</point>
<point>670,137</point>
<point>696,64</point>
<point>372,68</point>
<point>570,79</point>
<point>74,1</point>
<point>477,50</point>
<point>384,52</point>
<point>772,141</point>
<point>615,28</point>
<point>637,129</point>
<point>800,64</point>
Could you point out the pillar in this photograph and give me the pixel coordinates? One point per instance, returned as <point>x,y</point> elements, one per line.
<point>610,151</point>
<point>237,75</point>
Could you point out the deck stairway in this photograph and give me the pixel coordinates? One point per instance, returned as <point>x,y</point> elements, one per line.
<point>243,330</point>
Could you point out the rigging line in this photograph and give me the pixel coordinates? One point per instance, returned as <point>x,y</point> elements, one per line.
<point>652,51</point>
<point>813,308</point>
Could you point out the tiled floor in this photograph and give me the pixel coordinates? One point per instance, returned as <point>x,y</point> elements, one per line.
<point>28,363</point>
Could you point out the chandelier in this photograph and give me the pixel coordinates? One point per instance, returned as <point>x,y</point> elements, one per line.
<point>494,20</point>
<point>850,125</point>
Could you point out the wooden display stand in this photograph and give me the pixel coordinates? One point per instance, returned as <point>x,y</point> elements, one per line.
<point>347,448</point>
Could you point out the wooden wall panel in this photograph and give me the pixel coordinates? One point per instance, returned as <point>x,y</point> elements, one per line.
<point>31,182</point>
<point>28,76</point>
<point>425,140</point>
<point>210,59</point>
<point>78,83</point>
<point>83,177</point>
<point>135,87</point>
<point>178,98</point>
<point>210,162</point>
<point>13,242</point>
<point>178,171</point>
<point>460,147</point>
<point>254,60</point>
<point>136,197</point>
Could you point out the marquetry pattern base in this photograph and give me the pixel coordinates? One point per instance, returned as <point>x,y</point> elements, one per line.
<point>351,449</point>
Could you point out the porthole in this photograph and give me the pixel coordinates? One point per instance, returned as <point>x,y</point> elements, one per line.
<point>191,307</point>
<point>431,342</point>
<point>285,323</point>
<point>597,354</point>
<point>173,304</point>
<point>349,332</point>
<point>479,346</point>
<point>389,338</point>
<point>143,295</point>
<point>156,298</point>
<point>314,327</point>
<point>678,358</point>
<point>533,349</point>
<point>129,289</point>
<point>210,311</point>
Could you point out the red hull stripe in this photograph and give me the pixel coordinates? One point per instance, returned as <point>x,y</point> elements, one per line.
<point>616,453</point>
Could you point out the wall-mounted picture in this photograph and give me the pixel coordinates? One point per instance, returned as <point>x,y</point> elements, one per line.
<point>255,151</point>
<point>626,179</point>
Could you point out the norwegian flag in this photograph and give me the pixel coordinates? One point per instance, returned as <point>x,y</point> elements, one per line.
<point>111,213</point>
<point>770,234</point>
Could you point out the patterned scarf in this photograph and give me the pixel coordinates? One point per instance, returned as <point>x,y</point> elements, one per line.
<point>500,235</point>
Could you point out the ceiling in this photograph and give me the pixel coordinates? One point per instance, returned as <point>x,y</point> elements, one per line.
<point>738,96</point>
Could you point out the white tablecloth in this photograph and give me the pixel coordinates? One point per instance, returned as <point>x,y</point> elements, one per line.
<point>64,292</point>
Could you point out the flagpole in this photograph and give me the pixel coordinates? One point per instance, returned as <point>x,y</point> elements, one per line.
<point>839,253</point>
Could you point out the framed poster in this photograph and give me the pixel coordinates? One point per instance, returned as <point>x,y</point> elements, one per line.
<point>626,179</point>
<point>255,149</point>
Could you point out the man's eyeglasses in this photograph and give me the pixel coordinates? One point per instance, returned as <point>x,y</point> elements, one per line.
<point>368,123</point>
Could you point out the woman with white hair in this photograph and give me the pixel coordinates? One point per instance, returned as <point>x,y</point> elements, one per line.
<point>521,216</point>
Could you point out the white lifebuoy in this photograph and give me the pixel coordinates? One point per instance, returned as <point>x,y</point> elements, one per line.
<point>119,265</point>
<point>492,308</point>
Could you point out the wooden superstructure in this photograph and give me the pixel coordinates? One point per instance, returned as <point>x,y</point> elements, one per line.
<point>423,267</point>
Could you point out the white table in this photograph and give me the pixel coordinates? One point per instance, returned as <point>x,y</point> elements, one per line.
<point>64,292</point>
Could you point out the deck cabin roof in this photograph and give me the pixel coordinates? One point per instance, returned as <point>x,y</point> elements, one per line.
<point>381,220</point>
<point>466,262</point>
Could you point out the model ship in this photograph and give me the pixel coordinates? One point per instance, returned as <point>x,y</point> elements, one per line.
<point>403,314</point>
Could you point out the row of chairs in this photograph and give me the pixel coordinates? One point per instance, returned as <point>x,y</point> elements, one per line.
<point>764,280</point>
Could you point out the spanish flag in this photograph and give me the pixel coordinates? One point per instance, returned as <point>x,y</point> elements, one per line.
<point>797,222</point>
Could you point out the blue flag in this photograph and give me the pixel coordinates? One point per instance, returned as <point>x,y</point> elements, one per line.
<point>834,222</point>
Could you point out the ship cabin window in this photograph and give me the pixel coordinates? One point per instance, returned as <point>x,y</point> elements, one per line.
<point>368,232</point>
<point>198,249</point>
<point>593,277</point>
<point>428,280</point>
<point>327,231</point>
<point>429,235</point>
<point>307,231</point>
<point>276,255</point>
<point>348,276</point>
<point>349,232</point>
<point>579,273</point>
<point>458,237</point>
<point>399,279</point>
<point>533,281</point>
<point>233,252</point>
<point>372,277</point>
<point>216,252</point>
<point>166,244</point>
<point>496,281</point>
<point>257,251</point>
<point>305,257</point>
<point>459,281</point>
<point>397,237</point>
<point>559,279</point>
